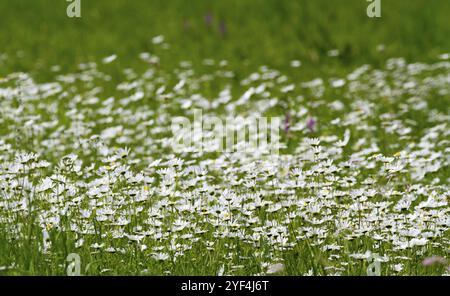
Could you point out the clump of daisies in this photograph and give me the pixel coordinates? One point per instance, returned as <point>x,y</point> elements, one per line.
<point>362,169</point>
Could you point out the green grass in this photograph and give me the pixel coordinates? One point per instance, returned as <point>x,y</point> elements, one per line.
<point>269,32</point>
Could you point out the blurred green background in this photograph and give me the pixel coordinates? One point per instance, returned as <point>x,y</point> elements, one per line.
<point>36,34</point>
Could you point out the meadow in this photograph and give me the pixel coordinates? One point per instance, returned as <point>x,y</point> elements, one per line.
<point>359,184</point>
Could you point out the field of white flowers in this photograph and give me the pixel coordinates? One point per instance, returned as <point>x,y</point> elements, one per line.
<point>361,178</point>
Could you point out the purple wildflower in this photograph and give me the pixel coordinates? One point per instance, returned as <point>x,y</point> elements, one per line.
<point>311,124</point>
<point>208,19</point>
<point>223,28</point>
<point>434,260</point>
<point>287,123</point>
